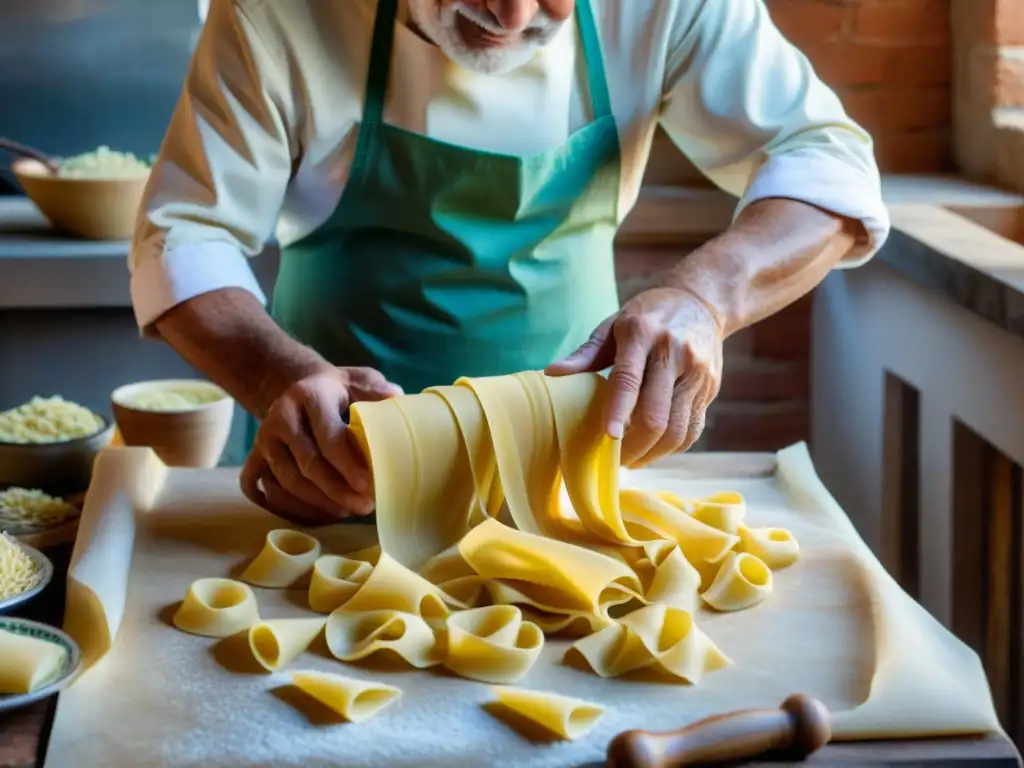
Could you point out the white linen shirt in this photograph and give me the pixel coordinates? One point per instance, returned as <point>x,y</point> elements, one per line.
<point>264,131</point>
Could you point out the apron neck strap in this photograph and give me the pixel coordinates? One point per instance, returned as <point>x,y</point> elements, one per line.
<point>383,39</point>
<point>597,82</point>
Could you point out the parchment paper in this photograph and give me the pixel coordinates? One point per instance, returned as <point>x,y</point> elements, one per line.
<point>837,626</point>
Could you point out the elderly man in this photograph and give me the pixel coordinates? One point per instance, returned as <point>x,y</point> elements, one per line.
<point>446,178</point>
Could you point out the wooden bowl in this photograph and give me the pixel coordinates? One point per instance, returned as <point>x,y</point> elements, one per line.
<point>57,468</point>
<point>195,436</point>
<point>93,209</point>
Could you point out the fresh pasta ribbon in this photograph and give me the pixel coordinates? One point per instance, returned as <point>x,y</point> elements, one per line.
<point>724,511</point>
<point>553,611</point>
<point>367,555</point>
<point>742,581</point>
<point>561,715</point>
<point>276,643</point>
<point>669,578</point>
<point>476,435</point>
<point>526,454</point>
<point>437,492</point>
<point>453,575</point>
<point>667,638</point>
<point>335,580</point>
<point>492,644</point>
<point>286,558</point>
<point>393,587</point>
<point>355,700</point>
<point>589,459</point>
<point>216,608</point>
<point>650,518</point>
<point>352,636</point>
<point>581,578</point>
<point>775,547</point>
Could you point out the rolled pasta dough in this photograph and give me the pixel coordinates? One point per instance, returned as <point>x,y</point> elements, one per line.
<point>667,639</point>
<point>287,557</point>
<point>742,581</point>
<point>492,644</point>
<point>28,663</point>
<point>353,699</point>
<point>775,547</point>
<point>335,580</point>
<point>275,644</point>
<point>352,636</point>
<point>564,716</point>
<point>216,608</point>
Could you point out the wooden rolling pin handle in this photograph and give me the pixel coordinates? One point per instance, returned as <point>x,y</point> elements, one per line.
<point>799,727</point>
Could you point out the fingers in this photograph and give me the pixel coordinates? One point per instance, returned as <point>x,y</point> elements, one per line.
<point>332,444</point>
<point>595,354</point>
<point>286,506</point>
<point>253,469</point>
<point>286,472</point>
<point>698,414</point>
<point>272,497</point>
<point>369,384</point>
<point>686,422</point>
<point>654,406</point>
<point>633,339</point>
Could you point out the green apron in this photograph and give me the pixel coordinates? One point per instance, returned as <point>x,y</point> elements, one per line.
<point>441,261</point>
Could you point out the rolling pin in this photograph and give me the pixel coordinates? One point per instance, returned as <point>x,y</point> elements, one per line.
<point>797,728</point>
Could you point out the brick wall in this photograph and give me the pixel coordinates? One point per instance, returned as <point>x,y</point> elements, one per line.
<point>988,43</point>
<point>890,62</point>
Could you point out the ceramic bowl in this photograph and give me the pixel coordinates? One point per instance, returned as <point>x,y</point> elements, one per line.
<point>72,663</point>
<point>46,576</point>
<point>61,469</point>
<point>93,209</point>
<point>195,436</point>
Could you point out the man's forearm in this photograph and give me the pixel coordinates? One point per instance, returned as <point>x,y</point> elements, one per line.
<point>229,336</point>
<point>776,251</point>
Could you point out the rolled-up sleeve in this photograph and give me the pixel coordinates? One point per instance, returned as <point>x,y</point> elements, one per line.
<point>218,182</point>
<point>749,111</point>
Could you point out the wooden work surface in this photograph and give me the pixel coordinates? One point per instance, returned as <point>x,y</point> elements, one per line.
<point>24,734</point>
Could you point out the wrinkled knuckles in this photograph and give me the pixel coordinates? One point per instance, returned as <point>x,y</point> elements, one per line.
<point>676,432</point>
<point>652,423</point>
<point>627,380</point>
<point>637,326</point>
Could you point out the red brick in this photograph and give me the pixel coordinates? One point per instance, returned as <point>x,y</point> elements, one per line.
<point>915,152</point>
<point>1008,82</point>
<point>785,335</point>
<point>746,380</point>
<point>1009,22</point>
<point>890,109</point>
<point>991,22</point>
<point>805,22</point>
<point>755,426</point>
<point>846,63</point>
<point>902,21</point>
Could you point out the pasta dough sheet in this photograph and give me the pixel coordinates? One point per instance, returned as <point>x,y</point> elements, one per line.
<point>835,626</point>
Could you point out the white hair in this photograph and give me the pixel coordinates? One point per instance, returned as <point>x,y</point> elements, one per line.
<point>438,22</point>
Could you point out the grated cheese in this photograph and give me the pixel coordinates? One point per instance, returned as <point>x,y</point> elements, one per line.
<point>174,400</point>
<point>48,420</point>
<point>103,163</point>
<point>18,572</point>
<point>25,510</point>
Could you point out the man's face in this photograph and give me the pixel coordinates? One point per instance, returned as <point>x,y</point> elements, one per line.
<point>491,36</point>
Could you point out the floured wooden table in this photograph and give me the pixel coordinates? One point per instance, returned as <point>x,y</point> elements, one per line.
<point>159,697</point>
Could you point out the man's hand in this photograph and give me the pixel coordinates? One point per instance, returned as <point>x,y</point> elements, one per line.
<point>666,348</point>
<point>309,466</point>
